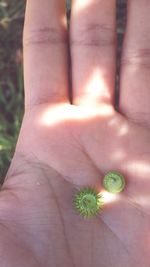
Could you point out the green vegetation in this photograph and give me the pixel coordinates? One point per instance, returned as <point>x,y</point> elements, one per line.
<point>11,82</point>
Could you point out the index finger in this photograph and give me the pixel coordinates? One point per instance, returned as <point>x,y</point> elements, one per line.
<point>45,52</point>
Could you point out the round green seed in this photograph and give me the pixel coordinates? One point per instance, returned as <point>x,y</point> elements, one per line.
<point>88,202</point>
<point>114,182</point>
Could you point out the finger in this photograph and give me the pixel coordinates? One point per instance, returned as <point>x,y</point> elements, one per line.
<point>45,52</point>
<point>93,51</point>
<point>135,71</point>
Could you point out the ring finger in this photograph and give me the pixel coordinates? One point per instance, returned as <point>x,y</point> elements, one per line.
<point>135,71</point>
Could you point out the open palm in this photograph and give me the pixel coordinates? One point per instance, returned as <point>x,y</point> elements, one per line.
<point>63,147</point>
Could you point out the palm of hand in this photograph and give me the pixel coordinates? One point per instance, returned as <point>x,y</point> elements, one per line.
<point>64,147</point>
<point>80,144</point>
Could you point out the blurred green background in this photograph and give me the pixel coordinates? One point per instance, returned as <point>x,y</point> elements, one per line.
<point>11,78</point>
<point>11,81</point>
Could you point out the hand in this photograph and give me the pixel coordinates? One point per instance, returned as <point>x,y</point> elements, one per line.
<point>63,147</point>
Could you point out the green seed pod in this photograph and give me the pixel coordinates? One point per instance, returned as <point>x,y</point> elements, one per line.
<point>88,202</point>
<point>114,182</point>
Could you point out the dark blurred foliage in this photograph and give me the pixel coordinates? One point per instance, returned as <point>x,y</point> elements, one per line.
<point>11,81</point>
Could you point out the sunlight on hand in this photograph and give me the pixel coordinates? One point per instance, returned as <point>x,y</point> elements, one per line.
<point>79,5</point>
<point>65,112</point>
<point>142,168</point>
<point>121,126</point>
<point>96,89</point>
<point>109,197</point>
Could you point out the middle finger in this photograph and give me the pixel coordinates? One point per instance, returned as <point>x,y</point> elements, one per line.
<point>93,51</point>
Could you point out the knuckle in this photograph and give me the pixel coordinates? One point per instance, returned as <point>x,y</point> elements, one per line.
<point>44,36</point>
<point>94,34</point>
<point>138,58</point>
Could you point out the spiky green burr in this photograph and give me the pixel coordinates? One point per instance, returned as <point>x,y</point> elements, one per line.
<point>88,202</point>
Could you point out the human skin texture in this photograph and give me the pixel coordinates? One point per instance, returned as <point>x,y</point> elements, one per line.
<point>63,147</point>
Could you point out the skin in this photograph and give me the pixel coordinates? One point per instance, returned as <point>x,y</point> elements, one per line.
<point>62,147</point>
